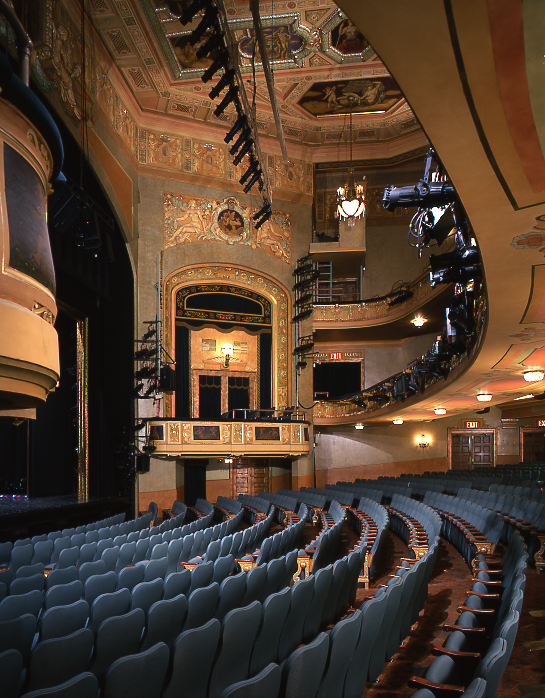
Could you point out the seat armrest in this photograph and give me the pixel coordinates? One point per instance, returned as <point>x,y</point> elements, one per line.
<point>440,690</point>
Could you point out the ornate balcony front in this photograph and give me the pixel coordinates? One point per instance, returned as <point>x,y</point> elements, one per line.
<point>198,438</point>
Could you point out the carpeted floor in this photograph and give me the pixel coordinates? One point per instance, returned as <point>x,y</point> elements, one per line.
<point>525,674</point>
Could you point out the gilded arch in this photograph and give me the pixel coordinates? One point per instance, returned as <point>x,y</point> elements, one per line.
<point>244,278</point>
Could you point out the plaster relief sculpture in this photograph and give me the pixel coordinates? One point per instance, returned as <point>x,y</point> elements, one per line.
<point>189,219</point>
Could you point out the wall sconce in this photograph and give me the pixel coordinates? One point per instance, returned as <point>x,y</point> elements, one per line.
<point>227,351</point>
<point>423,440</point>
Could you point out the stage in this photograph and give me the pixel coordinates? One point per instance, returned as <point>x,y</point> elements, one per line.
<point>23,518</point>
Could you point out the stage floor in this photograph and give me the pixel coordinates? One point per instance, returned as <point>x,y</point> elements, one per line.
<point>22,518</point>
<point>10,505</point>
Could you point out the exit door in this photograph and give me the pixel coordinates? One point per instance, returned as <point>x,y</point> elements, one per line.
<point>532,444</point>
<point>469,448</point>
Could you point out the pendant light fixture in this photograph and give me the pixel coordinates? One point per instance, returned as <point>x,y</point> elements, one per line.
<point>350,198</point>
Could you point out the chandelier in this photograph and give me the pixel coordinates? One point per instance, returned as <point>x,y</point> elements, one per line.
<point>350,198</point>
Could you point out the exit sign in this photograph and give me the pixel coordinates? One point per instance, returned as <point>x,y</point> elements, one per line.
<point>472,425</point>
<point>336,355</point>
<point>541,422</point>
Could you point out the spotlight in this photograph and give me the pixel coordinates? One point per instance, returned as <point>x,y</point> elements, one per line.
<point>242,152</point>
<point>254,166</point>
<point>145,371</point>
<point>222,61</point>
<point>190,11</point>
<point>262,211</point>
<point>263,220</point>
<point>150,333</point>
<point>213,42</point>
<point>144,353</point>
<point>140,425</point>
<point>149,448</point>
<point>235,128</point>
<point>422,195</point>
<point>225,80</point>
<point>137,388</point>
<point>246,131</point>
<point>252,181</point>
<point>209,18</point>
<point>231,94</point>
<point>460,314</point>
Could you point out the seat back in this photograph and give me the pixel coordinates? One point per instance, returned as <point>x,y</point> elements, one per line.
<point>239,630</point>
<point>140,675</point>
<point>193,655</point>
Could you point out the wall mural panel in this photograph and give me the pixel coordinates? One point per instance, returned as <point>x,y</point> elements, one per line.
<point>189,219</point>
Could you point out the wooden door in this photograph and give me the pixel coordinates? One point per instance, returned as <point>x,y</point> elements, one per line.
<point>483,449</point>
<point>460,451</point>
<point>468,448</point>
<point>532,446</point>
<point>250,476</point>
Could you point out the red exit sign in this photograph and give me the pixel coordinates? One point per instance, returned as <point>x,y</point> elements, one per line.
<point>472,425</point>
<point>336,355</point>
<point>541,422</point>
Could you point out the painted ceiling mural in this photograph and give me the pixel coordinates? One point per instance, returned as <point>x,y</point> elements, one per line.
<point>316,53</point>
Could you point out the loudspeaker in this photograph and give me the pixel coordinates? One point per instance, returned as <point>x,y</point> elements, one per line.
<point>142,463</point>
<point>167,379</point>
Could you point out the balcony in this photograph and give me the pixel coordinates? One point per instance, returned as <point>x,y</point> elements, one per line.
<point>238,433</point>
<point>385,309</point>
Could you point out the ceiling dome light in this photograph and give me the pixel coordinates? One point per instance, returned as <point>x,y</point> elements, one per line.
<point>419,321</point>
<point>534,375</point>
<point>440,410</point>
<point>397,421</point>
<point>484,397</point>
<point>358,426</point>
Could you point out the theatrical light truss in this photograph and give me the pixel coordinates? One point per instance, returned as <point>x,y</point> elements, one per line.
<point>213,26</point>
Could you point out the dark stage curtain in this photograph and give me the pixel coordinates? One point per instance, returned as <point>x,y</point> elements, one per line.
<point>209,397</point>
<point>265,359</point>
<point>181,400</point>
<point>238,393</point>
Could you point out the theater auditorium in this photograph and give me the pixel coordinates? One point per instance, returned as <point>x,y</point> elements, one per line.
<point>272,349</point>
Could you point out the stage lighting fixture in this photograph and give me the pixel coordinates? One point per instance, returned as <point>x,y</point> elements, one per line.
<point>302,315</point>
<point>460,313</point>
<point>262,211</point>
<point>191,10</point>
<point>242,152</point>
<point>215,40</point>
<point>222,61</point>
<point>235,128</point>
<point>149,448</point>
<point>230,95</point>
<point>263,220</point>
<point>246,131</point>
<point>137,388</point>
<point>210,17</point>
<point>225,80</point>
<point>253,180</point>
<point>144,353</point>
<point>310,279</point>
<point>145,371</point>
<point>140,425</point>
<point>150,333</point>
<point>422,195</point>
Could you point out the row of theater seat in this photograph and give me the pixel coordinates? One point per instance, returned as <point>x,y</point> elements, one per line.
<point>481,639</point>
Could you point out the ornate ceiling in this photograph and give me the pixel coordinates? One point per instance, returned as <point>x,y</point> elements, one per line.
<point>319,59</point>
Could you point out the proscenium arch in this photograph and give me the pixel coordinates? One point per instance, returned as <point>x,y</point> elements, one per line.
<point>244,278</point>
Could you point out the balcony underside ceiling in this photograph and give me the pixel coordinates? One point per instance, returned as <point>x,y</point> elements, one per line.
<point>469,72</point>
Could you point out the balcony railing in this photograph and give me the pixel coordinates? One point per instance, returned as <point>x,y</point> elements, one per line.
<point>171,438</point>
<point>375,309</point>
